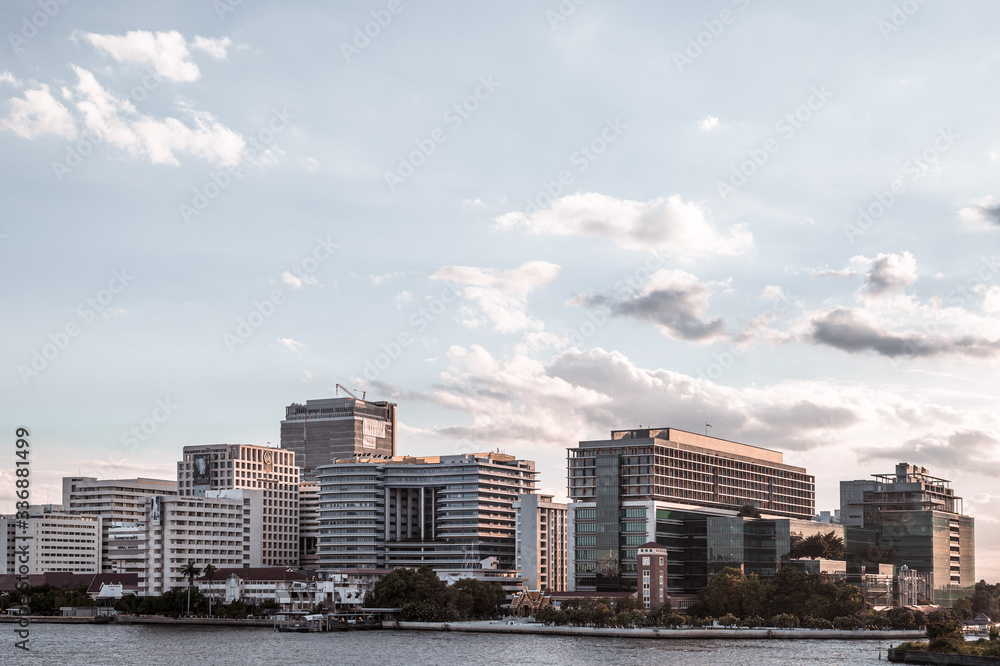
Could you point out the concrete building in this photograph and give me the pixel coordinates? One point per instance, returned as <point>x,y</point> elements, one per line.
<point>652,565</point>
<point>323,431</point>
<point>919,517</point>
<point>260,475</point>
<point>114,500</point>
<point>308,525</point>
<point>541,542</point>
<point>176,530</point>
<point>443,511</point>
<point>56,541</point>
<point>683,491</point>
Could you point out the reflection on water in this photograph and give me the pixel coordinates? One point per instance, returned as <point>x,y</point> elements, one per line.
<point>151,645</point>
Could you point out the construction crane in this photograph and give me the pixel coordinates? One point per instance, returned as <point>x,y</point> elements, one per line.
<point>344,388</point>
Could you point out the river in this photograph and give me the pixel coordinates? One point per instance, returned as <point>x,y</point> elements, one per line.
<point>120,645</point>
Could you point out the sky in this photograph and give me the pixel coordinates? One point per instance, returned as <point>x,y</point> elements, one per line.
<point>527,223</point>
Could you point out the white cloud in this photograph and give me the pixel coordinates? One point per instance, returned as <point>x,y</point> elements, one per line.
<point>166,52</point>
<point>681,229</point>
<point>297,281</point>
<point>501,296</point>
<point>402,297</point>
<point>121,125</point>
<point>39,113</point>
<point>384,277</point>
<point>991,298</point>
<point>474,203</point>
<point>307,377</point>
<point>770,293</point>
<point>7,77</point>
<point>292,345</point>
<point>981,214</point>
<point>891,274</point>
<point>213,47</point>
<point>310,163</point>
<point>708,123</point>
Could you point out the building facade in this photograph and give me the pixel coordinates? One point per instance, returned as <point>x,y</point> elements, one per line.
<point>683,491</point>
<point>56,541</point>
<point>918,518</point>
<point>541,542</point>
<point>652,567</point>
<point>175,531</point>
<point>321,432</point>
<point>445,512</point>
<point>243,471</point>
<point>308,525</point>
<point>115,500</point>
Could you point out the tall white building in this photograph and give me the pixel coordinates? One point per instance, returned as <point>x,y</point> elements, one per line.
<point>56,541</point>
<point>541,542</point>
<point>178,530</point>
<point>250,469</point>
<point>114,500</point>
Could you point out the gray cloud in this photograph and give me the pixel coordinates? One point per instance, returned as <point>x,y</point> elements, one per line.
<point>847,330</point>
<point>891,272</point>
<point>965,449</point>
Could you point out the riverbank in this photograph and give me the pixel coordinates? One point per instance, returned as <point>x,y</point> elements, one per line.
<point>142,619</point>
<point>917,657</point>
<point>502,627</point>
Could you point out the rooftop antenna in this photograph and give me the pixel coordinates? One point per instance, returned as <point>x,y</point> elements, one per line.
<point>338,387</point>
<point>707,426</point>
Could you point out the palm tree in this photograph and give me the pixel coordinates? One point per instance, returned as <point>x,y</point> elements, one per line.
<point>190,571</point>
<point>210,575</point>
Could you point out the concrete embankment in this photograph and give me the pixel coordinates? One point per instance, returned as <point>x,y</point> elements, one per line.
<point>145,619</point>
<point>534,628</point>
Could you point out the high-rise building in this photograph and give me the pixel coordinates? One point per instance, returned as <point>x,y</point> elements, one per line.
<point>446,512</point>
<point>308,524</point>
<point>55,541</point>
<point>917,516</point>
<point>684,491</point>
<point>176,530</point>
<point>541,542</point>
<point>323,431</point>
<point>258,476</point>
<point>114,500</point>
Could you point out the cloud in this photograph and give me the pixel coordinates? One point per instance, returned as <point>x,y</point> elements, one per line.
<point>7,77</point>
<point>39,113</point>
<point>501,296</point>
<point>891,273</point>
<point>674,300</point>
<point>213,47</point>
<point>681,229</point>
<point>708,123</point>
<point>297,281</point>
<point>384,277</point>
<point>292,344</point>
<point>855,330</point>
<point>982,213</point>
<point>401,298</point>
<point>165,52</point>
<point>964,449</point>
<point>845,273</point>
<point>310,163</point>
<point>307,377</point>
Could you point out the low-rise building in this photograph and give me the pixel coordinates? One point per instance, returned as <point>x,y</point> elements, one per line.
<point>55,541</point>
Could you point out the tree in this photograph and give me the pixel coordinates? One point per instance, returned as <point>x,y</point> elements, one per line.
<point>190,571</point>
<point>210,571</point>
<point>749,511</point>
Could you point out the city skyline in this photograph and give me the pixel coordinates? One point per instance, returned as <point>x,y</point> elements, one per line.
<point>526,226</point>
